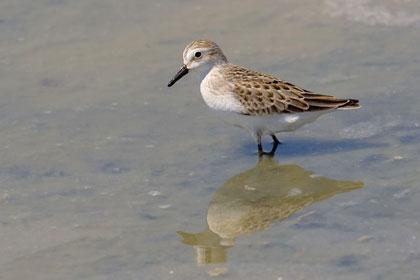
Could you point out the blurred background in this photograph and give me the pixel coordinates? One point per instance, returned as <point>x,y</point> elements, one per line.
<point>105,173</point>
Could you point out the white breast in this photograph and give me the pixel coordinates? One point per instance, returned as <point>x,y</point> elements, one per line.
<point>217,93</point>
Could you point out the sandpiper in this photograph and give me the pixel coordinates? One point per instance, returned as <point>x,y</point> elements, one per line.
<point>261,103</point>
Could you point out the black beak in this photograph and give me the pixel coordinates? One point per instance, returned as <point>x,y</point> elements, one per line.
<point>181,73</point>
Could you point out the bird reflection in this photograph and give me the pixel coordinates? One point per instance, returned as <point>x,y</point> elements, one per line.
<point>252,200</point>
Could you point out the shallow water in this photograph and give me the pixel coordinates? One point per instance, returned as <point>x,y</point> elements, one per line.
<point>107,174</point>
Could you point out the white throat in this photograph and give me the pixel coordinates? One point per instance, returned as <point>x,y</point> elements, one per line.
<point>205,69</point>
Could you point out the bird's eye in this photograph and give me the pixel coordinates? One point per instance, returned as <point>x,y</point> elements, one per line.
<point>197,54</point>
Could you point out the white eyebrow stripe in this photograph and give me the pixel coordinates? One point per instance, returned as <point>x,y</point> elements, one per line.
<point>191,52</point>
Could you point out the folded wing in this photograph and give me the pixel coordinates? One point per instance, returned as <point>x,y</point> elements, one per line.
<point>263,94</point>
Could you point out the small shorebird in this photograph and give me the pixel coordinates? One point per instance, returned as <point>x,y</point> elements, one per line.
<point>261,103</point>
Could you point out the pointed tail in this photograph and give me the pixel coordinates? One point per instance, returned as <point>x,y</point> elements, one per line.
<point>351,104</point>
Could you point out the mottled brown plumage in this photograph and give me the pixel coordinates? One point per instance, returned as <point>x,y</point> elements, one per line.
<point>262,94</point>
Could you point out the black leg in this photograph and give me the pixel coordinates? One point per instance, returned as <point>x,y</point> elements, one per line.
<point>260,148</point>
<point>275,139</point>
<point>261,152</point>
<point>276,142</point>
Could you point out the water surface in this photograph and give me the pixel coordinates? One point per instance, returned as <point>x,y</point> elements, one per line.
<point>107,174</point>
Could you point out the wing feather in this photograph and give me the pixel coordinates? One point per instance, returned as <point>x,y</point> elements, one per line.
<point>263,94</point>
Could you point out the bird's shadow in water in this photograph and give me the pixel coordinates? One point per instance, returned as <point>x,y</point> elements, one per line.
<point>250,201</point>
<point>311,147</point>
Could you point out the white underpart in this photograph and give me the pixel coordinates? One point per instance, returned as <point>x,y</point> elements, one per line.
<point>226,103</point>
<point>291,119</point>
<point>216,92</point>
<point>270,124</point>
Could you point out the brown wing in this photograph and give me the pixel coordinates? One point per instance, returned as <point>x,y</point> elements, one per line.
<point>263,94</point>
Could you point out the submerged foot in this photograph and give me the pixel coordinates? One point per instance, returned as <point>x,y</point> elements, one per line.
<point>261,152</point>
<point>268,154</point>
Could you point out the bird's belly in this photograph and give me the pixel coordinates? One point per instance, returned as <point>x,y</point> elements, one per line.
<point>268,124</point>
